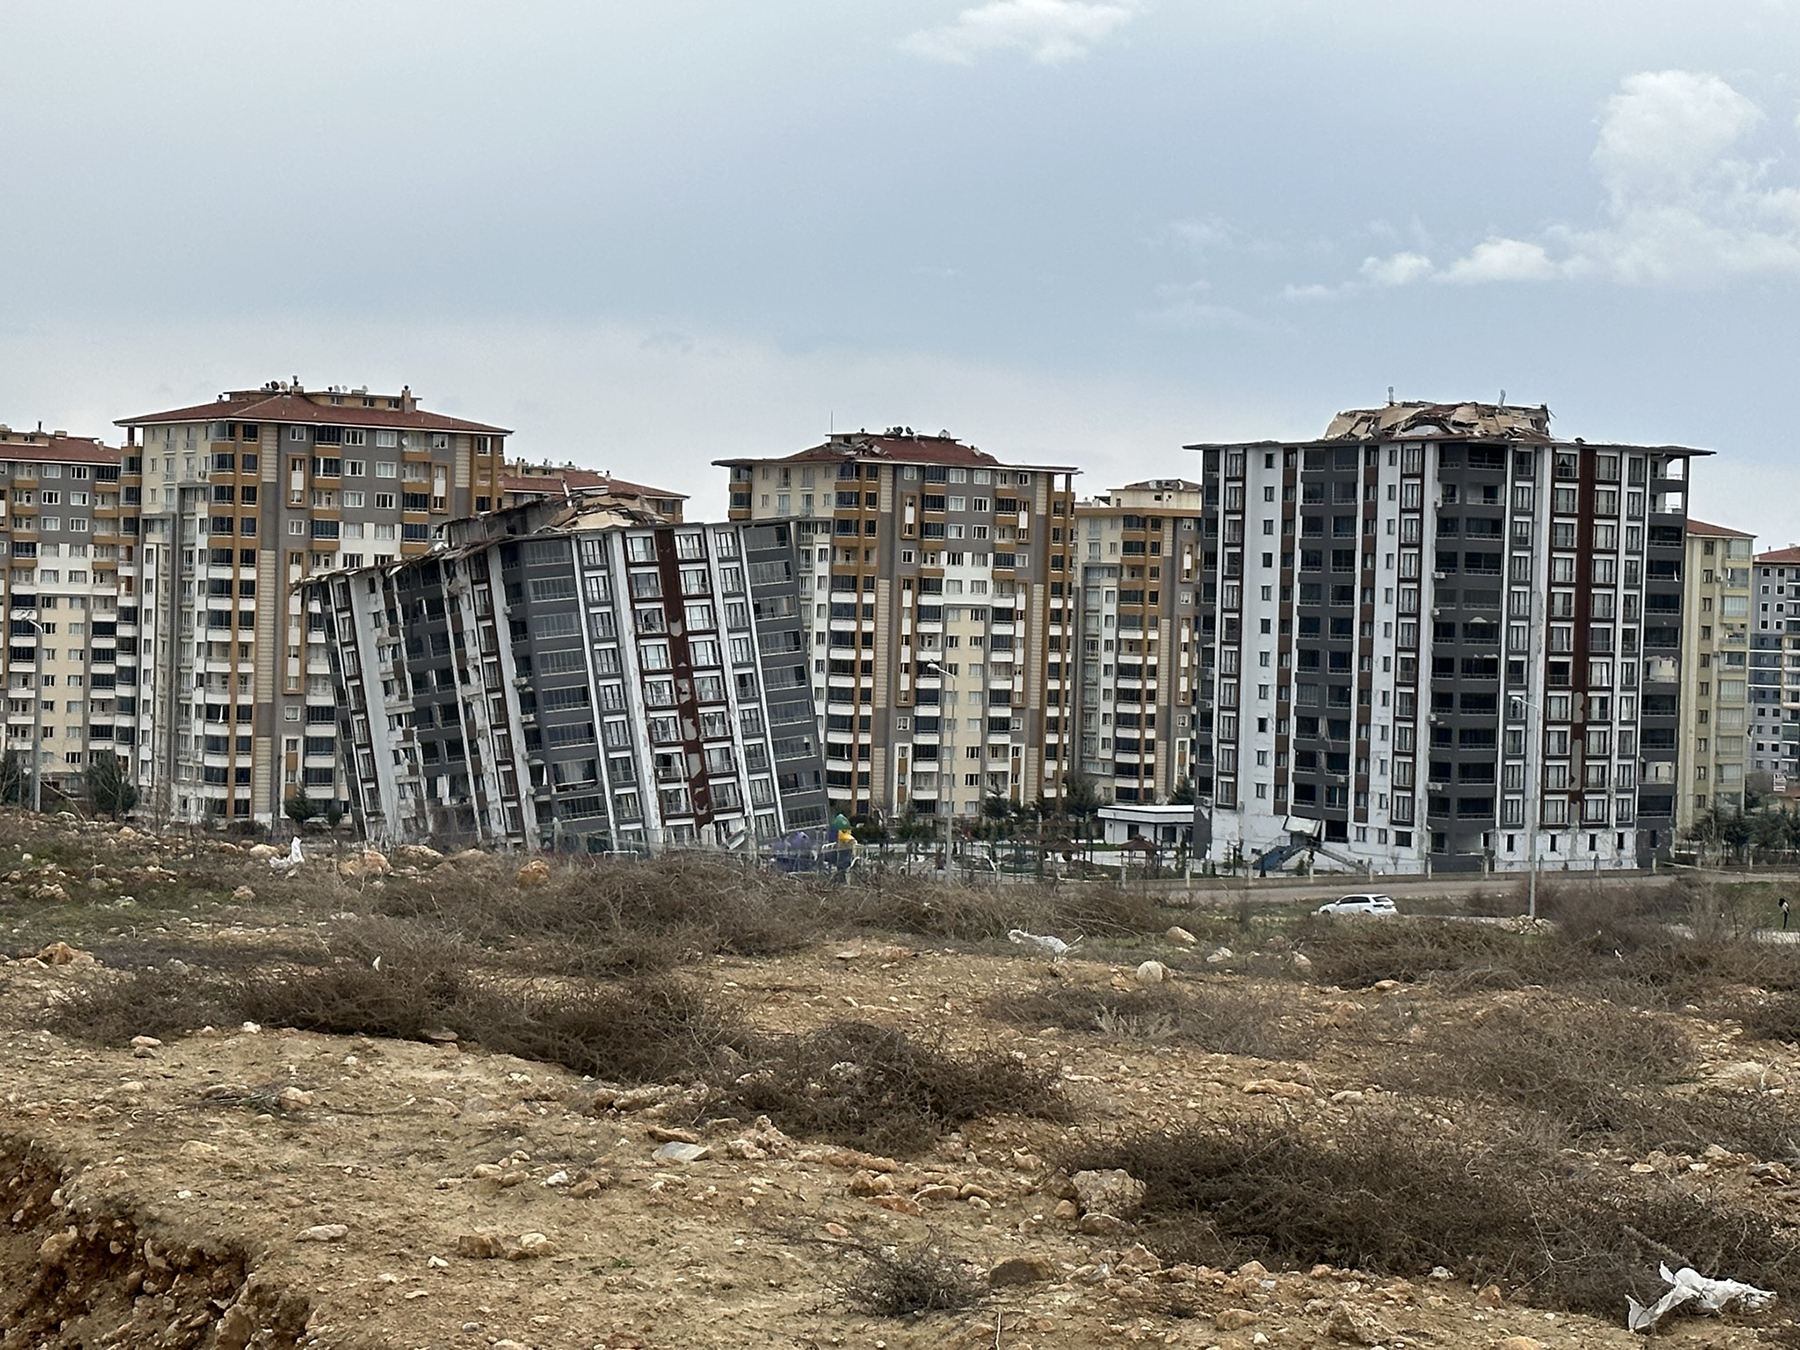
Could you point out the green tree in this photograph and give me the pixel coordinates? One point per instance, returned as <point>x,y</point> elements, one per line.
<point>1182,794</point>
<point>299,807</point>
<point>1080,798</point>
<point>15,781</point>
<point>109,791</point>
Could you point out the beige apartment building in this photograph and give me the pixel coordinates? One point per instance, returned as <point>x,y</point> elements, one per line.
<point>1136,550</point>
<point>231,504</point>
<point>939,601</point>
<point>1715,660</point>
<point>72,653</point>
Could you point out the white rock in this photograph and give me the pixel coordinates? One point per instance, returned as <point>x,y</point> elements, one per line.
<point>324,1232</point>
<point>1152,972</point>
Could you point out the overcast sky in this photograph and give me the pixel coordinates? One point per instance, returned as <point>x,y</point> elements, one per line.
<point>649,235</point>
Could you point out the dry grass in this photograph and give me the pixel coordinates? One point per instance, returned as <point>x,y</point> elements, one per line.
<point>1401,1194</point>
<point>918,1278</point>
<point>877,1088</point>
<point>1225,1019</point>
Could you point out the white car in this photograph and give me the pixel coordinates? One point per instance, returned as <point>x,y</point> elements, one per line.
<point>1360,904</point>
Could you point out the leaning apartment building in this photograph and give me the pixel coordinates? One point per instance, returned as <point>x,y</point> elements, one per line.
<point>1440,637</point>
<point>578,674</point>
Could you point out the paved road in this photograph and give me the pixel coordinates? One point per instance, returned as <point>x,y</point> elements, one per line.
<point>1454,886</point>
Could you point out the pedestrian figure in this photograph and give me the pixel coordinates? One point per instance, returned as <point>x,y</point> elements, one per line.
<point>1784,914</point>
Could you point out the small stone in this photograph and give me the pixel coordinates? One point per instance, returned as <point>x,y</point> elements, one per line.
<point>1139,1260</point>
<point>898,1204</point>
<point>1102,1225</point>
<point>1520,1343</point>
<point>557,1178</point>
<point>1109,1191</point>
<point>293,1099</point>
<point>664,1135</point>
<point>1302,963</point>
<point>929,1194</point>
<point>478,1246</point>
<point>1152,972</point>
<point>1491,1297</point>
<point>58,1247</point>
<point>243,895</point>
<point>1218,956</point>
<point>682,1153</point>
<point>1277,1087</point>
<point>144,1043</point>
<point>1234,1319</point>
<point>486,1171</point>
<point>1022,1270</point>
<point>1355,1327</point>
<point>533,874</point>
<point>1181,936</point>
<point>1066,1209</point>
<point>437,1263</point>
<point>1253,1270</point>
<point>871,1183</point>
<point>1383,986</point>
<point>530,1246</point>
<point>324,1232</point>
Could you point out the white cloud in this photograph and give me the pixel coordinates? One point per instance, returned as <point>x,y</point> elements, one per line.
<point>1399,270</point>
<point>1503,260</point>
<point>1051,31</point>
<point>1683,203</point>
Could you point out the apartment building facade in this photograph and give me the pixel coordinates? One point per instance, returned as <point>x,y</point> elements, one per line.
<point>74,650</point>
<point>1440,637</point>
<point>1715,661</point>
<point>939,616</point>
<point>1774,737</point>
<point>582,675</point>
<point>1137,552</point>
<point>231,505</point>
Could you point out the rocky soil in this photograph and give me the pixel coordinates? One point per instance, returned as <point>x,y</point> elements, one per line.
<point>251,1186</point>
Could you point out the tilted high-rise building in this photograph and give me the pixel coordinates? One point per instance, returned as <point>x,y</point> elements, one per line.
<point>1137,552</point>
<point>578,674</point>
<point>1438,634</point>
<point>939,605</point>
<point>231,505</point>
<point>1715,671</point>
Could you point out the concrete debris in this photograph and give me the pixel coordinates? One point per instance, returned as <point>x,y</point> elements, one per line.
<point>1484,421</point>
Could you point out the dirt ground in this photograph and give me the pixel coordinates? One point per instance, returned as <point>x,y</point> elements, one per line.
<point>254,1186</point>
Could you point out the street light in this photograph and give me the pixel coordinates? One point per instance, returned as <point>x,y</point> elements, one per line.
<point>948,732</point>
<point>1533,786</point>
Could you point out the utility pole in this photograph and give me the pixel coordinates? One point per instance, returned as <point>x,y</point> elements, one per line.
<point>948,726</point>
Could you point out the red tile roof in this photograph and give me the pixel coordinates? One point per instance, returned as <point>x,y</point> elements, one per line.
<point>1718,531</point>
<point>1778,557</point>
<point>261,406</point>
<point>45,448</point>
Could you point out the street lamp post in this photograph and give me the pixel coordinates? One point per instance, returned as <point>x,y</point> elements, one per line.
<point>1532,788</point>
<point>948,735</point>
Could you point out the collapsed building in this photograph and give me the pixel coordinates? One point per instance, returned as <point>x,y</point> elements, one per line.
<point>578,673</point>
